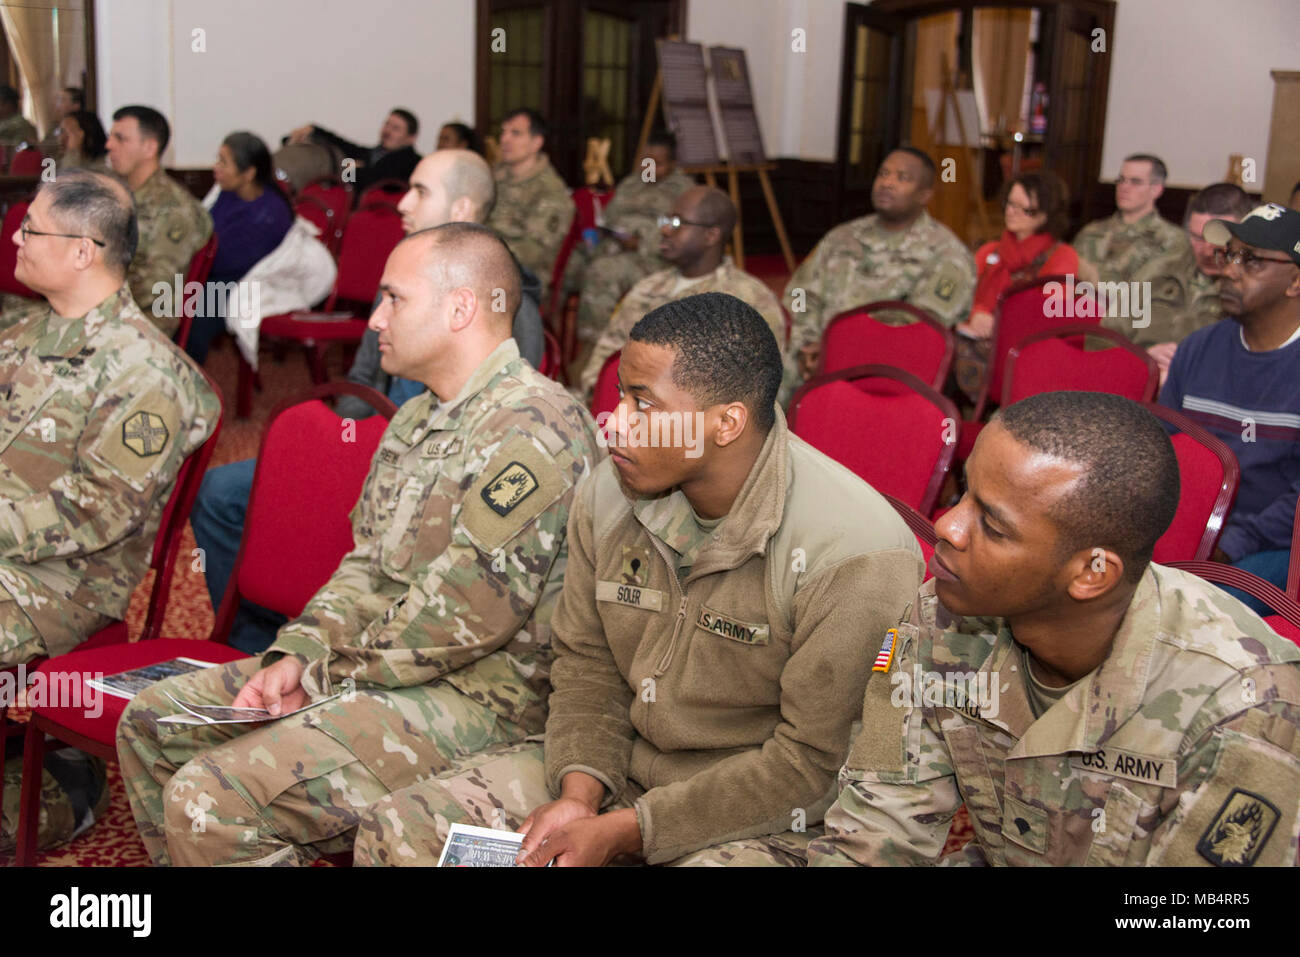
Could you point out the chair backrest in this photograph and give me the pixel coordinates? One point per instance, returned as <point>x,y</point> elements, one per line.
<point>604,396</point>
<point>335,197</point>
<point>171,526</point>
<point>310,469</point>
<point>27,162</point>
<point>1055,359</point>
<point>1023,309</point>
<point>921,527</point>
<point>1293,572</point>
<point>923,347</point>
<point>884,424</point>
<point>370,235</point>
<point>322,217</point>
<point>1208,475</point>
<point>588,203</point>
<point>389,191</point>
<point>1285,619</point>
<point>199,270</point>
<point>552,362</point>
<point>9,252</point>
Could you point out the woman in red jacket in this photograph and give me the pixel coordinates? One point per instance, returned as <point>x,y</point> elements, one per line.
<point>1035,213</point>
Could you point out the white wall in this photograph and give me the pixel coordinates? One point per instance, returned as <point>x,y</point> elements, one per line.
<point>1189,81</point>
<point>271,66</point>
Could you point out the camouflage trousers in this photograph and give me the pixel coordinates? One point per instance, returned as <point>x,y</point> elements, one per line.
<point>35,621</point>
<point>58,818</point>
<point>499,788</point>
<point>607,280</point>
<point>286,791</point>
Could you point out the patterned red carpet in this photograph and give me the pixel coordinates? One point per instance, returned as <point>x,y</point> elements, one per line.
<point>112,841</point>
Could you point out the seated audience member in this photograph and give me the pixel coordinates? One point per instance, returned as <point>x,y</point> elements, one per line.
<point>173,224</point>
<point>458,136</point>
<point>533,210</point>
<point>84,142</point>
<point>447,186</point>
<point>1084,683</point>
<point>703,690</point>
<point>394,158</point>
<point>1240,378</point>
<point>627,249</point>
<point>15,129</point>
<point>1137,244</point>
<point>251,217</point>
<point>392,627</point>
<point>100,412</point>
<point>898,252</point>
<point>1036,212</point>
<point>69,100</point>
<point>691,241</point>
<point>1200,274</point>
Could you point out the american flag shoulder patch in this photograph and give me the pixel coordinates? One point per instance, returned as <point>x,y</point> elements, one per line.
<point>886,656</point>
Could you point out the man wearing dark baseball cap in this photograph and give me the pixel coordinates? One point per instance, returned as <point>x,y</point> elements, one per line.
<point>1240,378</point>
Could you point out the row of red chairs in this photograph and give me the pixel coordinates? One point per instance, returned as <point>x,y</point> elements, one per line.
<point>328,203</point>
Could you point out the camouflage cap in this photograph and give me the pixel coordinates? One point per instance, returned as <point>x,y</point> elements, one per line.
<point>1270,226</point>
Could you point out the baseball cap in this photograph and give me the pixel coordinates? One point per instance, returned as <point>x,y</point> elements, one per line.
<point>1270,226</point>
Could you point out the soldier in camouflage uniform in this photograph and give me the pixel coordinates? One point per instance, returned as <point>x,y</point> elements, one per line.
<point>898,252</point>
<point>173,224</point>
<point>710,652</point>
<point>533,210</point>
<point>1087,706</point>
<point>99,413</point>
<point>604,274</point>
<point>693,249</point>
<point>435,627</point>
<point>1137,244</point>
<point>14,127</point>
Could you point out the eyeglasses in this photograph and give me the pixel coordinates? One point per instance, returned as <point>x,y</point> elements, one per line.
<point>676,222</point>
<point>28,232</point>
<point>1023,210</point>
<point>1244,258</point>
<point>1130,181</point>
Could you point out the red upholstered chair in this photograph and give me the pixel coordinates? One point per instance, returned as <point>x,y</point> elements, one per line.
<point>1285,619</point>
<point>1209,478</point>
<point>1293,572</point>
<point>604,397</point>
<point>588,204</point>
<point>295,535</point>
<point>856,337</point>
<point>552,361</point>
<point>335,196</point>
<point>200,269</point>
<point>1054,359</point>
<point>9,252</point>
<point>322,217</point>
<point>27,162</point>
<point>371,233</point>
<point>885,424</point>
<point>921,527</point>
<point>388,191</point>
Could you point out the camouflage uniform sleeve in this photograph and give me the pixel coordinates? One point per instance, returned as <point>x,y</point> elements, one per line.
<point>1086,243</point>
<point>545,229</point>
<point>473,598</point>
<point>177,237</point>
<point>769,307</point>
<point>1238,797</point>
<point>898,788</point>
<point>589,728</point>
<point>803,298</point>
<point>1169,300</point>
<point>127,455</point>
<point>613,338</point>
<point>948,288</point>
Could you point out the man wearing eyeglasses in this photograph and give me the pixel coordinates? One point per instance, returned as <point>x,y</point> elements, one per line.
<point>1240,378</point>
<point>1137,244</point>
<point>691,240</point>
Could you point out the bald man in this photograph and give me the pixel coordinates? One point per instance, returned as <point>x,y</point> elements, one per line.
<point>691,239</point>
<point>432,639</point>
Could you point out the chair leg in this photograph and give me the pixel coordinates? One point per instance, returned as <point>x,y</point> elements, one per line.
<point>29,801</point>
<point>316,362</point>
<point>244,392</point>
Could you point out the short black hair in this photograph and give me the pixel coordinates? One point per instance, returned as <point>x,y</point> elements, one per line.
<point>77,95</point>
<point>536,123</point>
<point>407,117</point>
<point>152,124</point>
<point>97,205</point>
<point>1296,188</point>
<point>725,351</point>
<point>1159,172</point>
<point>1220,200</point>
<point>467,135</point>
<point>1128,492</point>
<point>8,95</point>
<point>665,138</point>
<point>930,169</point>
<point>93,131</point>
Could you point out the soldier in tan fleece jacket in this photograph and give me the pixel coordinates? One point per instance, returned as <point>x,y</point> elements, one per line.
<point>727,587</point>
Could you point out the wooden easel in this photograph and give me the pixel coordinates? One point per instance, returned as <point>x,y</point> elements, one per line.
<point>948,98</point>
<point>733,183</point>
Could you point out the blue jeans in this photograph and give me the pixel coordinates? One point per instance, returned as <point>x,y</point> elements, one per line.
<point>1271,566</point>
<point>218,521</point>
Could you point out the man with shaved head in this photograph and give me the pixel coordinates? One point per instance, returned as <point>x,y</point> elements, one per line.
<point>432,639</point>
<point>691,239</point>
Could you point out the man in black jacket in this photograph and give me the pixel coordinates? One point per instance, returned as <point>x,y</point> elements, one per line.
<point>394,158</point>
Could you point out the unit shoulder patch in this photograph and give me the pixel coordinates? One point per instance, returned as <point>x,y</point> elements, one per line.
<point>505,490</point>
<point>145,433</point>
<point>1239,831</point>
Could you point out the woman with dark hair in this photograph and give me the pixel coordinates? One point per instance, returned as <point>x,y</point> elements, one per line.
<point>458,136</point>
<point>1034,210</point>
<point>83,140</point>
<point>250,218</point>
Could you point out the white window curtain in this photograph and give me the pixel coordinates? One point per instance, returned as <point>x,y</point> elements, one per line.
<point>47,41</point>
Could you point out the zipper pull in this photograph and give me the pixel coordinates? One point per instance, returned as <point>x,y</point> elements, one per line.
<point>672,644</point>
